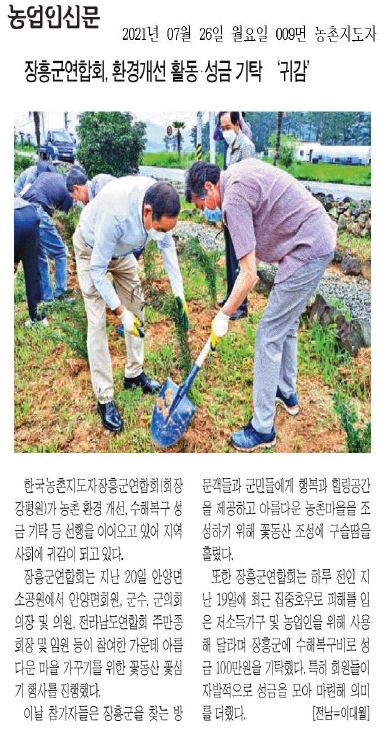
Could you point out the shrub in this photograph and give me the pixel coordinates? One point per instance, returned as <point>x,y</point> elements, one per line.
<point>110,142</point>
<point>286,150</point>
<point>21,162</point>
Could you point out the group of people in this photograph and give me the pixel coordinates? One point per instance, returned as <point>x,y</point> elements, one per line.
<point>267,215</point>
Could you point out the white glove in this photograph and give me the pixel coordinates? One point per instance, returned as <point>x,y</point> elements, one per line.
<point>219,328</point>
<point>132,324</point>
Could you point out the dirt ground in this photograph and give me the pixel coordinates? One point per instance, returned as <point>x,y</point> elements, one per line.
<point>65,406</point>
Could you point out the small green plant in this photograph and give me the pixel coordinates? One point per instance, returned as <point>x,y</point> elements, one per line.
<point>170,309</point>
<point>206,261</point>
<point>68,223</point>
<point>72,335</point>
<point>357,439</point>
<point>320,353</point>
<point>149,262</point>
<point>339,305</point>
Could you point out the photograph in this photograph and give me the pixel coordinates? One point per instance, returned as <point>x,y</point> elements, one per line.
<point>195,282</point>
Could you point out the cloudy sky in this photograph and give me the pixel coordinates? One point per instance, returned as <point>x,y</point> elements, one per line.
<point>56,119</point>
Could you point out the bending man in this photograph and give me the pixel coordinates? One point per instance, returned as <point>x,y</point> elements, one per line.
<point>83,190</point>
<point>270,216</point>
<point>123,217</point>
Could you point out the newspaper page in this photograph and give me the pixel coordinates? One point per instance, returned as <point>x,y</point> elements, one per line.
<point>193,485</point>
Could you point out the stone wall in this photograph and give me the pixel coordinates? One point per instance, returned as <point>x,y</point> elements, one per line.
<point>350,215</point>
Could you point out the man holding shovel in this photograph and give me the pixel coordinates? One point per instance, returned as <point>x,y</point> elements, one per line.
<point>123,217</point>
<point>273,218</point>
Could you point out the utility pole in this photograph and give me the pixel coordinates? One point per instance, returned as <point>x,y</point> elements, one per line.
<point>199,136</point>
<point>212,142</point>
<point>43,127</point>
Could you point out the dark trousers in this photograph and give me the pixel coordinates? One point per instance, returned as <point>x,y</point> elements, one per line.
<point>232,266</point>
<point>26,244</point>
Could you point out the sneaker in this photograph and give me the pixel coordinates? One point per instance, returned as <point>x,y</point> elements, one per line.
<point>119,329</point>
<point>291,404</point>
<point>31,323</point>
<point>248,439</point>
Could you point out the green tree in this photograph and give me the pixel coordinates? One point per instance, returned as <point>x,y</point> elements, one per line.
<point>178,126</point>
<point>110,142</point>
<point>286,150</point>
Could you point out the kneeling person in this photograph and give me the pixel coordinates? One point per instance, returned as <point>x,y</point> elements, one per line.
<point>123,217</point>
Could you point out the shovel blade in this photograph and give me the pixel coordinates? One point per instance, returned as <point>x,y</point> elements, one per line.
<point>168,422</point>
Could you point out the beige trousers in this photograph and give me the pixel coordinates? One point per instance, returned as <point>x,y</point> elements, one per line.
<point>129,291</point>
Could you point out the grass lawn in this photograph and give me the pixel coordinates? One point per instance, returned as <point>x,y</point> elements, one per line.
<point>322,172</point>
<point>325,172</point>
<point>24,148</point>
<point>55,406</point>
<point>171,160</point>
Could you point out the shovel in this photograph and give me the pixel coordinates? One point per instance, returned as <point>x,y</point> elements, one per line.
<point>173,410</point>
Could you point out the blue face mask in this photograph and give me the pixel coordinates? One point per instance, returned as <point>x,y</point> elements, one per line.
<point>213,216</point>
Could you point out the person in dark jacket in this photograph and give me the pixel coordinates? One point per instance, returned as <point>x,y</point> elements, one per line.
<point>49,193</point>
<point>28,176</point>
<point>26,250</point>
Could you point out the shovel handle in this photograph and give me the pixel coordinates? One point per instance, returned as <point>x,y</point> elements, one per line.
<point>196,367</point>
<point>201,358</point>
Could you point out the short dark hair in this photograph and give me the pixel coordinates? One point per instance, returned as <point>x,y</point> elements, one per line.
<point>235,117</point>
<point>196,177</point>
<point>75,176</point>
<point>163,199</point>
<point>44,167</point>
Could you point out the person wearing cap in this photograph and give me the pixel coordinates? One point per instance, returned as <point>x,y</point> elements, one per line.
<point>29,175</point>
<point>240,147</point>
<point>127,214</point>
<point>271,217</point>
<point>83,190</point>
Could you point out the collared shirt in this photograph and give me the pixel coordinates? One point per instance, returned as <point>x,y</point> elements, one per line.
<point>112,225</point>
<point>269,211</point>
<point>95,185</point>
<point>50,192</point>
<point>241,149</point>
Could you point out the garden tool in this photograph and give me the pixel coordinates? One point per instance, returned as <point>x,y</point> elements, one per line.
<point>173,410</point>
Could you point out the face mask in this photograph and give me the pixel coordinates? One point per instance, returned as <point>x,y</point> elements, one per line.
<point>154,235</point>
<point>229,136</point>
<point>213,216</point>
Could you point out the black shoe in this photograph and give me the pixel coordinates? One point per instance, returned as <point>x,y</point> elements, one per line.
<point>240,313</point>
<point>221,303</point>
<point>148,385</point>
<point>110,416</point>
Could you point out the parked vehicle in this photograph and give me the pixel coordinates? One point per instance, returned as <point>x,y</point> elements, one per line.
<point>59,145</point>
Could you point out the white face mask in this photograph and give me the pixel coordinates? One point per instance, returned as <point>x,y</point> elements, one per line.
<point>154,235</point>
<point>229,136</point>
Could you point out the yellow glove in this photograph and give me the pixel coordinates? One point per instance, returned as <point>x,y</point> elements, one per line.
<point>132,324</point>
<point>219,328</point>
